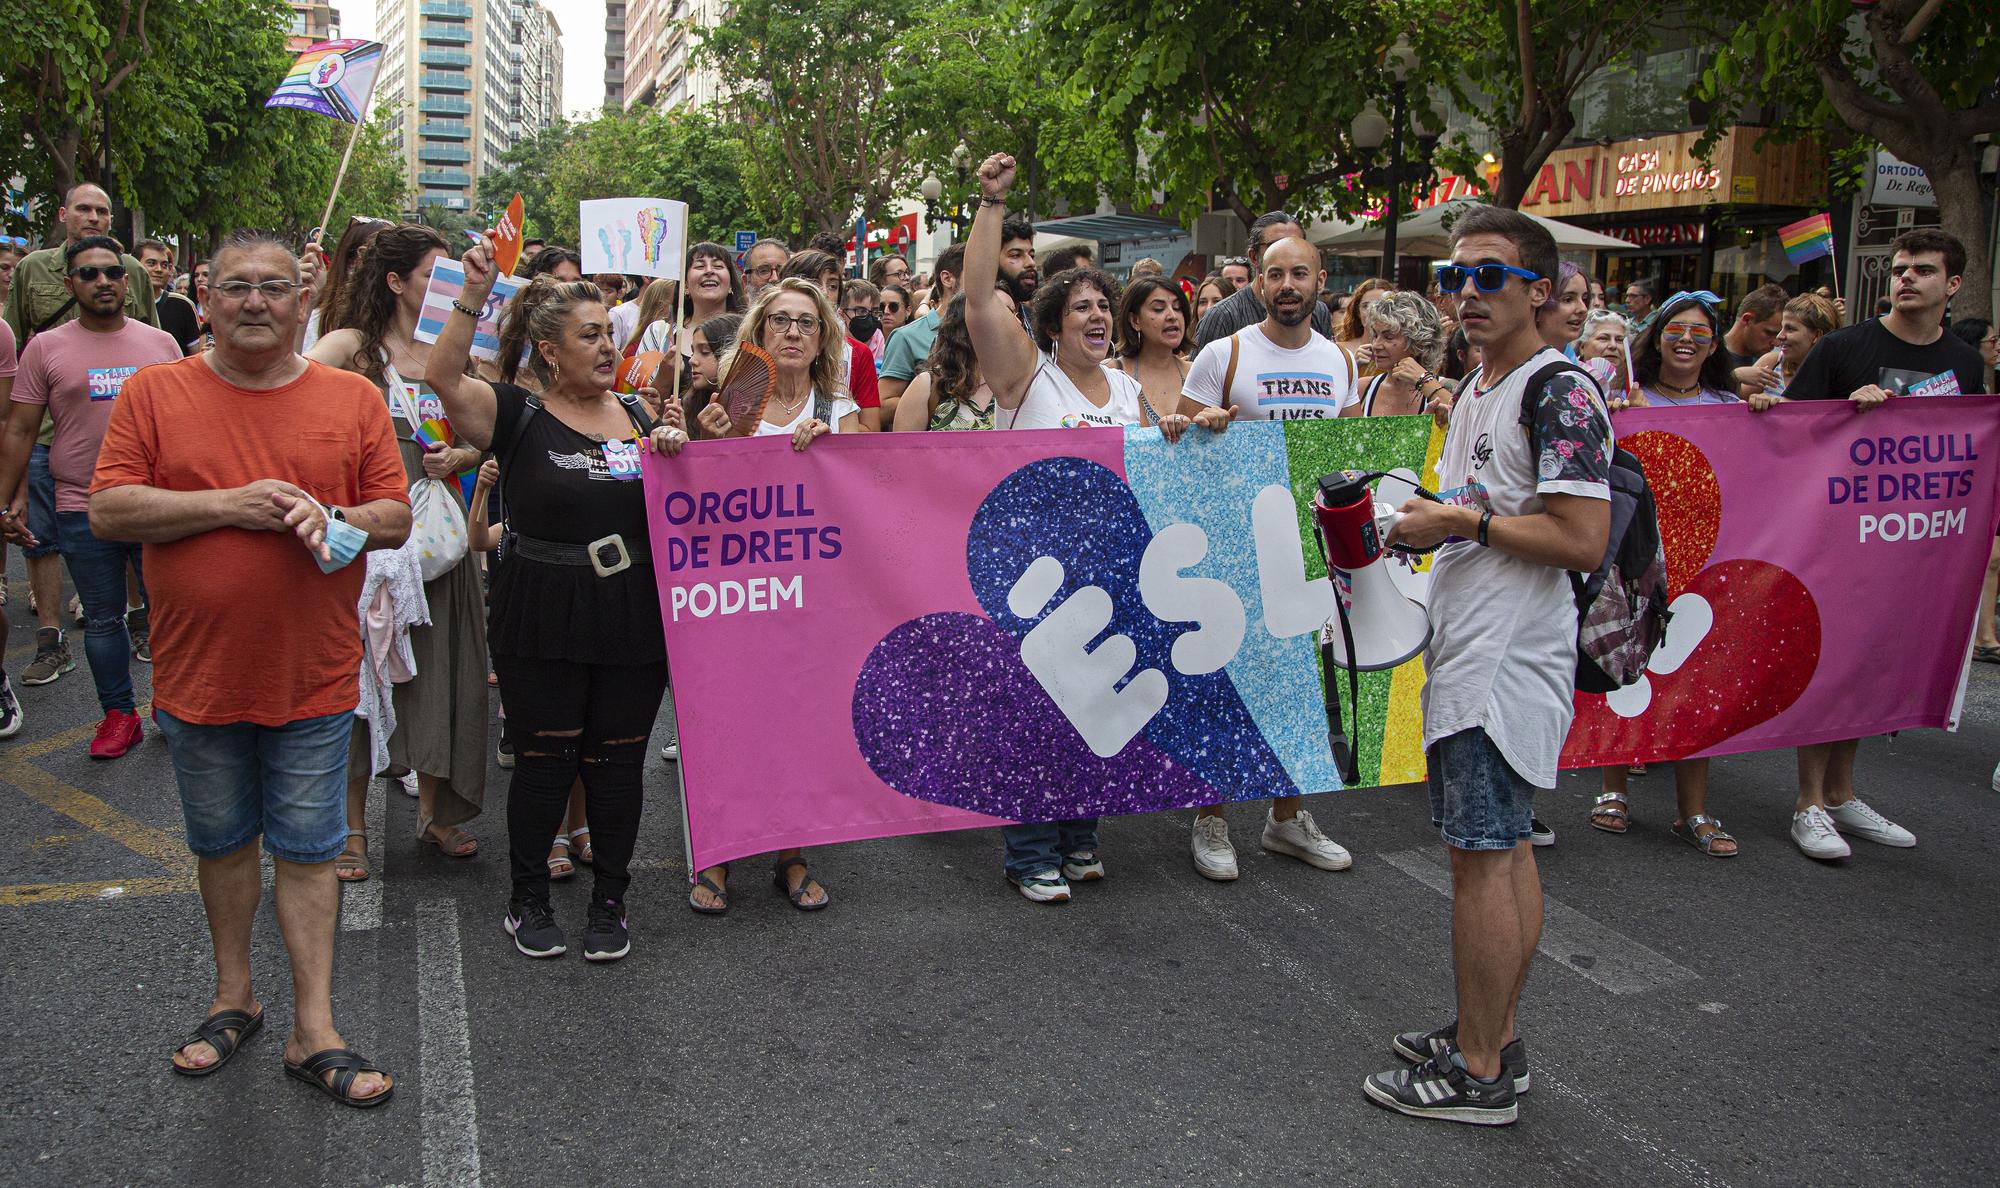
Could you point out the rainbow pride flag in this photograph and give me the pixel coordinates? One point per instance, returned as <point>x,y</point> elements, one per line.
<point>1808,239</point>
<point>333,78</point>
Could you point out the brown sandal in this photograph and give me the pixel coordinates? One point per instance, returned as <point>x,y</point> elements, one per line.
<point>456,842</point>
<point>353,868</point>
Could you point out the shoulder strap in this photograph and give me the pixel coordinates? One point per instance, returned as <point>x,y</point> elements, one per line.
<point>52,319</point>
<point>635,408</point>
<point>1368,395</point>
<point>399,395</point>
<point>532,406</point>
<point>1229,373</point>
<point>1533,390</point>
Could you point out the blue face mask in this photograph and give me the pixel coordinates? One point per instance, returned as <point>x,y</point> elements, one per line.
<point>344,541</point>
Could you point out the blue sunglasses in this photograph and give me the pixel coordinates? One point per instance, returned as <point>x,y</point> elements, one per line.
<point>1487,278</point>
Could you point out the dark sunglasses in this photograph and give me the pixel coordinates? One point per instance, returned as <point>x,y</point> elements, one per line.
<point>1487,278</point>
<point>892,306</point>
<point>90,272</point>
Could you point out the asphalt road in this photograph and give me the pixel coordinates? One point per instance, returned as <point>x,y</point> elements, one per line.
<point>1761,1020</point>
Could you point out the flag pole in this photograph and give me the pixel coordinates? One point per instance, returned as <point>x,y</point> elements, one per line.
<point>367,105</point>
<point>680,303</point>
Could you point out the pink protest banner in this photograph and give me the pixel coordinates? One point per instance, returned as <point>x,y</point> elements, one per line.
<point>851,531</point>
<point>1824,566</point>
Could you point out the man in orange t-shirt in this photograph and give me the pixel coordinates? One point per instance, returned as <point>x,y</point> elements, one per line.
<point>227,466</point>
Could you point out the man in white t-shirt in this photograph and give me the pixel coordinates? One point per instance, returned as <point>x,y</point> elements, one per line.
<point>1277,369</point>
<point>1526,501</point>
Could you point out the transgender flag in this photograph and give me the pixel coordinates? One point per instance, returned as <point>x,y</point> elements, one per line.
<point>333,78</point>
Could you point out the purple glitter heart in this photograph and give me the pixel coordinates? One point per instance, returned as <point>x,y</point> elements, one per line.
<point>945,711</point>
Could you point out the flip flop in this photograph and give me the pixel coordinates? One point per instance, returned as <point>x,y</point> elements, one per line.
<point>345,1064</point>
<point>214,1031</point>
<point>353,868</point>
<point>798,897</point>
<point>1989,655</point>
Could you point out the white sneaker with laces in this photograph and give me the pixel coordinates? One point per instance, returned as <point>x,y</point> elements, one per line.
<point>1214,857</point>
<point>1300,838</point>
<point>1814,832</point>
<point>1996,778</point>
<point>408,782</point>
<point>1865,823</point>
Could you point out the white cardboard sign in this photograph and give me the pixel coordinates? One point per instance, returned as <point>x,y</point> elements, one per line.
<point>637,236</point>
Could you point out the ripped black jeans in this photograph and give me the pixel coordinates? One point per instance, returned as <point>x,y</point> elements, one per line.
<point>614,706</point>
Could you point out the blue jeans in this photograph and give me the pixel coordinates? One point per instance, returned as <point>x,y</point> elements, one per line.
<point>1477,801</point>
<point>240,779</point>
<point>42,504</point>
<point>1040,847</point>
<point>98,569</point>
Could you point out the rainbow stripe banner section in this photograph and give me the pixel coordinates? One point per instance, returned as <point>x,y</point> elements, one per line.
<point>1069,623</point>
<point>332,78</point>
<point>1808,239</point>
<point>447,285</point>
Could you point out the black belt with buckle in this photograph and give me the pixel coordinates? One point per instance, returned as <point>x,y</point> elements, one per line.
<point>607,554</point>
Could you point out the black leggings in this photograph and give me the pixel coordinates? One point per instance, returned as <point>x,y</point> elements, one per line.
<point>614,705</point>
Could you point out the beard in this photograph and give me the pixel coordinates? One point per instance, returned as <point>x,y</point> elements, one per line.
<point>1294,317</point>
<point>1021,287</point>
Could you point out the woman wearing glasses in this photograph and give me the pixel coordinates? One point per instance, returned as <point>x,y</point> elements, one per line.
<point>894,308</point>
<point>1679,363</point>
<point>795,324</point>
<point>440,712</point>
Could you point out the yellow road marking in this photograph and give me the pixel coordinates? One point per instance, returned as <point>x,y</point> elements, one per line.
<point>23,894</point>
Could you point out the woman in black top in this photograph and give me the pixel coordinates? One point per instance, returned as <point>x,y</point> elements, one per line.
<point>574,622</point>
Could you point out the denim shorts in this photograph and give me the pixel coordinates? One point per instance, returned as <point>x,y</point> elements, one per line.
<point>41,504</point>
<point>287,782</point>
<point>1477,801</point>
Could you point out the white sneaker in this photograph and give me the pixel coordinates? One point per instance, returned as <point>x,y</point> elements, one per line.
<point>1301,839</point>
<point>1814,832</point>
<point>1046,887</point>
<point>1084,866</point>
<point>408,780</point>
<point>1996,778</point>
<point>1214,857</point>
<point>1863,822</point>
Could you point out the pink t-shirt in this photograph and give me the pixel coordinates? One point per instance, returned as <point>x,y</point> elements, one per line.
<point>8,364</point>
<point>78,374</point>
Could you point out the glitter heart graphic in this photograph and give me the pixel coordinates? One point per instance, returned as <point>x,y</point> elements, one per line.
<point>959,688</point>
<point>1745,626</point>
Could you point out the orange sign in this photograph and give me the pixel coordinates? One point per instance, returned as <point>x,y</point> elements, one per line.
<point>508,233</point>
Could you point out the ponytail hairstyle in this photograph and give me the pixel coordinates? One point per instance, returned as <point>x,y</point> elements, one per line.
<point>540,313</point>
<point>338,285</point>
<point>371,303</point>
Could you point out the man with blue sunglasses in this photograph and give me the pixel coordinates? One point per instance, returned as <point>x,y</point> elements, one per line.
<point>1525,499</point>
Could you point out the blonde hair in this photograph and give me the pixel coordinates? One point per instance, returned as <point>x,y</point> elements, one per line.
<point>540,313</point>
<point>1416,317</point>
<point>1814,312</point>
<point>828,378</point>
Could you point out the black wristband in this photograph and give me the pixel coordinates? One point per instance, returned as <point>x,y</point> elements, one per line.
<point>470,313</point>
<point>985,201</point>
<point>1485,520</point>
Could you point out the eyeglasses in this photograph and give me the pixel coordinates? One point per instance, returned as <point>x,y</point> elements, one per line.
<point>767,271</point>
<point>1687,332</point>
<point>90,272</point>
<point>273,290</point>
<point>1487,278</point>
<point>807,324</point>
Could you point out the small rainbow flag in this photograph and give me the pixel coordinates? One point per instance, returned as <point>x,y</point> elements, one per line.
<point>332,78</point>
<point>1808,239</point>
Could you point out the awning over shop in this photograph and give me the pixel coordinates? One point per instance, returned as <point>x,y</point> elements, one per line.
<point>1110,228</point>
<point>1428,233</point>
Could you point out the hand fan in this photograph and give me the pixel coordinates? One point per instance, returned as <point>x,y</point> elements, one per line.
<point>747,388</point>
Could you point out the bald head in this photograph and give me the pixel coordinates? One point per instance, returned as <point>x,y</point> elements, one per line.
<point>86,211</point>
<point>1289,278</point>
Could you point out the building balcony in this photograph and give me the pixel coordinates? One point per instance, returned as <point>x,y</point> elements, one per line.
<point>445,154</point>
<point>445,8</point>
<point>439,80</point>
<point>444,177</point>
<point>444,57</point>
<point>438,131</point>
<point>444,105</point>
<point>455,34</point>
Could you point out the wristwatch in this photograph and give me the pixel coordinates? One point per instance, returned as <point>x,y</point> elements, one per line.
<point>334,513</point>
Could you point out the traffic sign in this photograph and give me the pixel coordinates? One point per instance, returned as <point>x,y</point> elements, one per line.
<point>744,239</point>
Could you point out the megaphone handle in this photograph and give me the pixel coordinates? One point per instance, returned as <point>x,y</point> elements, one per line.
<point>1343,745</point>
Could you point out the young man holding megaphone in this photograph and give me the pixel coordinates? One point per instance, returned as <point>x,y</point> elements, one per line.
<point>1525,500</point>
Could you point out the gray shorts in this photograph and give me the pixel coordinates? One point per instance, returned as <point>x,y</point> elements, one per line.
<point>1477,801</point>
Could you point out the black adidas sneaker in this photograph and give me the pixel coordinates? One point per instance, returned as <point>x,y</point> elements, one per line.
<point>1419,1046</point>
<point>1441,1088</point>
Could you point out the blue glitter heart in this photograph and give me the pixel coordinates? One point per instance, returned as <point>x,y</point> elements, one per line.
<point>1086,517</point>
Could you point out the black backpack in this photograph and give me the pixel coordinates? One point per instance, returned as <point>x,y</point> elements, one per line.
<point>1621,608</point>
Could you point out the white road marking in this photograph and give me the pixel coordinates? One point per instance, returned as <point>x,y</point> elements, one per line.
<point>451,1112</point>
<point>1570,938</point>
<point>361,903</point>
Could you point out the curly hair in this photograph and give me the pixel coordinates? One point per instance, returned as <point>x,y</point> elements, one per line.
<point>827,374</point>
<point>953,364</point>
<point>540,313</point>
<point>397,251</point>
<point>1052,299</point>
<point>1416,317</point>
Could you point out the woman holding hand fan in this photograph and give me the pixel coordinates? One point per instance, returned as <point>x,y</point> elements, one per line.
<point>574,625</point>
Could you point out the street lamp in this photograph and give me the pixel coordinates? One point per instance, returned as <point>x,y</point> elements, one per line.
<point>933,191</point>
<point>1370,128</point>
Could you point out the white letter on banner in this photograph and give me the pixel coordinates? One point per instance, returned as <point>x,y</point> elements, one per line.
<point>1084,684</point>
<point>1292,605</point>
<point>1206,601</point>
